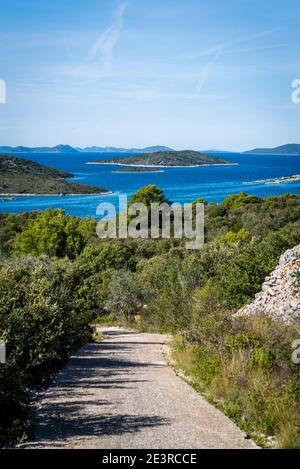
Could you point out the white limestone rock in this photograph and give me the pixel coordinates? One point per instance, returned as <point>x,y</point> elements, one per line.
<point>280,294</point>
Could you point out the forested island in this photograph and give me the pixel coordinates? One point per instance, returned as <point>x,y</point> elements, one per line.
<point>186,158</point>
<point>23,177</point>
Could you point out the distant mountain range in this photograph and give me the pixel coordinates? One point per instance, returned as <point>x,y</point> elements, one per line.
<point>125,150</point>
<point>21,149</point>
<point>289,149</point>
<point>215,150</point>
<point>69,149</point>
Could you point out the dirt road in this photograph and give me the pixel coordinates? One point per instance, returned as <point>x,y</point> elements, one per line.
<point>120,393</point>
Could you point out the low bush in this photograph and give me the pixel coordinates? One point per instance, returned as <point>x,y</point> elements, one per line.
<point>245,368</point>
<point>41,328</point>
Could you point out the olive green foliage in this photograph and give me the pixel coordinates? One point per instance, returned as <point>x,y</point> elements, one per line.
<point>41,325</point>
<point>125,296</point>
<point>239,200</point>
<point>148,195</point>
<point>10,226</point>
<point>234,237</point>
<point>53,233</point>
<point>245,367</point>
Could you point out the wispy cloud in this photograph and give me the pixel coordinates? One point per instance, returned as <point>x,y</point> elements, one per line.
<point>67,45</point>
<point>206,72</point>
<point>99,59</point>
<point>225,45</point>
<point>141,93</point>
<point>105,44</point>
<point>217,51</point>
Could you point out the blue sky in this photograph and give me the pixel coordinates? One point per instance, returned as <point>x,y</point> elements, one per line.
<point>185,73</point>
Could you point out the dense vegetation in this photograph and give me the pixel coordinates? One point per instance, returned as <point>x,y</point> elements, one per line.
<point>167,158</point>
<point>56,277</point>
<point>20,176</point>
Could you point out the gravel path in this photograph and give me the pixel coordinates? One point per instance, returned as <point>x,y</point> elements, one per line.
<point>120,393</point>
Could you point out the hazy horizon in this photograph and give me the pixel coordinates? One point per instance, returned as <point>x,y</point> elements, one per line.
<point>133,147</point>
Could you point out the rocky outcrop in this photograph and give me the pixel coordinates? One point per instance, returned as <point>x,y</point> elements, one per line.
<point>280,294</point>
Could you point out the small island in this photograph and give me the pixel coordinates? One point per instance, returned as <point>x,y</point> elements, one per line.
<point>166,159</point>
<point>20,177</point>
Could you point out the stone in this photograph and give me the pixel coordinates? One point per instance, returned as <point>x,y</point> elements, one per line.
<point>279,297</point>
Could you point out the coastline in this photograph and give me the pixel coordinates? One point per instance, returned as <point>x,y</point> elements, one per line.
<point>53,195</point>
<point>161,166</point>
<point>271,181</point>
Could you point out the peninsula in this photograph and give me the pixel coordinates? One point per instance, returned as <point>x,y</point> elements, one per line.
<point>166,159</point>
<point>23,177</point>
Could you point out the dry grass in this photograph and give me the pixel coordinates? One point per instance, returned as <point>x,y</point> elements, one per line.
<point>264,402</point>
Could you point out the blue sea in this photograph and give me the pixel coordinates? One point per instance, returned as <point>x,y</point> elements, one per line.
<point>213,183</point>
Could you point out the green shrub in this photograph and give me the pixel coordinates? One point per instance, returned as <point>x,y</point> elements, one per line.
<point>125,297</point>
<point>234,237</point>
<point>53,233</point>
<point>255,384</point>
<point>41,328</point>
<point>239,200</point>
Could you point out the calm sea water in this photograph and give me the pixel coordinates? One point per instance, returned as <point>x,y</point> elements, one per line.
<point>213,183</point>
